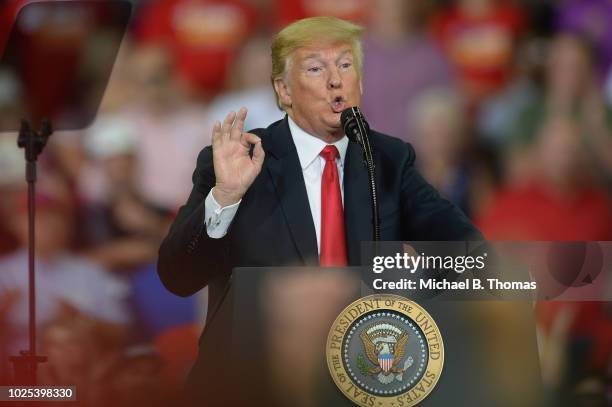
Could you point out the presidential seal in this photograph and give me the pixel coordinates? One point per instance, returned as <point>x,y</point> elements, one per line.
<point>385,350</point>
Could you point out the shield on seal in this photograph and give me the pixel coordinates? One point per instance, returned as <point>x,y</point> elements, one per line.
<point>385,361</point>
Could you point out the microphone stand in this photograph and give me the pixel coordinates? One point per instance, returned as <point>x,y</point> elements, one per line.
<point>357,130</point>
<point>369,163</point>
<point>33,142</point>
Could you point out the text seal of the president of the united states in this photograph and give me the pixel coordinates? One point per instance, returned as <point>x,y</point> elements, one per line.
<point>385,350</point>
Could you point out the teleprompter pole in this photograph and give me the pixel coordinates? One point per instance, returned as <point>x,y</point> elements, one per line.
<point>33,142</point>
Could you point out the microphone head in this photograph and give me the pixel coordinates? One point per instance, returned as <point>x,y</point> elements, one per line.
<point>346,116</point>
<point>353,123</point>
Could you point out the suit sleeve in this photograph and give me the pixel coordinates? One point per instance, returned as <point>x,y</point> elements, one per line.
<point>188,258</point>
<point>427,214</point>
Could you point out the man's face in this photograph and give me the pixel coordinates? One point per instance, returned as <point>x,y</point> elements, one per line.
<point>321,82</point>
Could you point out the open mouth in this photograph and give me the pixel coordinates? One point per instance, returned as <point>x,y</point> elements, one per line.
<point>338,104</point>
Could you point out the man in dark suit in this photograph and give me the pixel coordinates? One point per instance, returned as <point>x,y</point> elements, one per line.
<point>297,193</point>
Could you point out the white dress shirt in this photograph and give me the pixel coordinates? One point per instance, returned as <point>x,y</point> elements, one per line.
<point>308,148</point>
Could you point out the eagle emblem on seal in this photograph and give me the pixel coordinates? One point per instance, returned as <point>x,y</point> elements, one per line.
<point>385,347</point>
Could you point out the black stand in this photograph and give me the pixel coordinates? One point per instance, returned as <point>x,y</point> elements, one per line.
<point>73,106</point>
<point>33,142</point>
<point>369,163</point>
<point>357,130</point>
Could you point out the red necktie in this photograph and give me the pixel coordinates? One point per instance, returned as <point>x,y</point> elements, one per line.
<point>333,240</point>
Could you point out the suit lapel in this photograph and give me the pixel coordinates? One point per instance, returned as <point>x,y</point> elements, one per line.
<point>357,205</point>
<point>286,174</point>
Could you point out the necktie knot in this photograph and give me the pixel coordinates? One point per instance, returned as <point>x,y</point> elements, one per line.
<point>329,153</point>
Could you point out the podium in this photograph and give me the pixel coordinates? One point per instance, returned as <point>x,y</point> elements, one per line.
<point>266,344</point>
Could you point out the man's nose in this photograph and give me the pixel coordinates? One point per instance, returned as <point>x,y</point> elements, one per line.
<point>335,80</point>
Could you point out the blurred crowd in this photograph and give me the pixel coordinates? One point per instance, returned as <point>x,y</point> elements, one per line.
<point>508,104</point>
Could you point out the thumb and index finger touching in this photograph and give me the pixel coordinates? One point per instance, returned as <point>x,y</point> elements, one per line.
<point>232,129</point>
<point>247,139</point>
<point>258,152</point>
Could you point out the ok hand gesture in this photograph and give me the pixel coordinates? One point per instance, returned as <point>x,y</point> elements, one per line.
<point>235,169</point>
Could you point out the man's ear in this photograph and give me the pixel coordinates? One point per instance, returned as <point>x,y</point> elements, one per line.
<point>283,91</point>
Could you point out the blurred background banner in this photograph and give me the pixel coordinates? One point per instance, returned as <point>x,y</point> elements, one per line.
<point>507,103</point>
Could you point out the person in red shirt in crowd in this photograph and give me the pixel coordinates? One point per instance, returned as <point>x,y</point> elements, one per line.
<point>478,37</point>
<point>8,243</point>
<point>288,11</point>
<point>561,202</point>
<point>202,35</point>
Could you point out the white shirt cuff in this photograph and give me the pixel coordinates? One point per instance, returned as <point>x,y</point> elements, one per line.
<point>218,219</point>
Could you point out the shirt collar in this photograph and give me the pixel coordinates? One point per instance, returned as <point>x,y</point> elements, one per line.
<point>308,146</point>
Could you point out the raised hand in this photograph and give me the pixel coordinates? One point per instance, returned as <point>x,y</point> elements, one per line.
<point>235,169</point>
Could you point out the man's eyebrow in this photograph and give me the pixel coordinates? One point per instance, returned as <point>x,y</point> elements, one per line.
<point>317,55</point>
<point>314,55</point>
<point>343,54</point>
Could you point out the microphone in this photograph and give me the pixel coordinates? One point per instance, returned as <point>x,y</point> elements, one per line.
<point>357,129</point>
<point>354,124</point>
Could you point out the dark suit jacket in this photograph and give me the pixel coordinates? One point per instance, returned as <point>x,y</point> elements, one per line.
<point>274,226</point>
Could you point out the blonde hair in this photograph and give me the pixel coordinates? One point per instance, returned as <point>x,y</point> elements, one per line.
<point>309,31</point>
